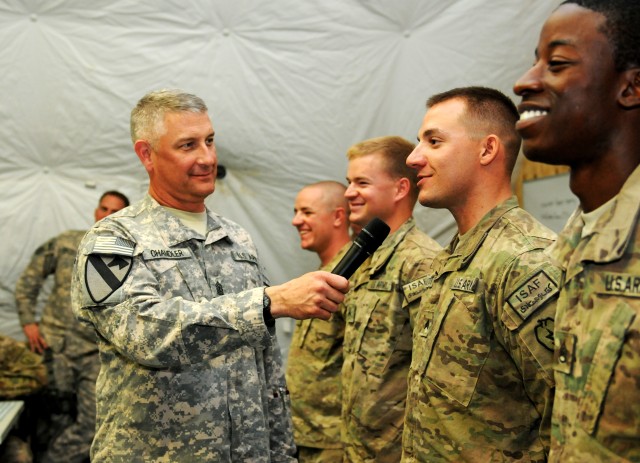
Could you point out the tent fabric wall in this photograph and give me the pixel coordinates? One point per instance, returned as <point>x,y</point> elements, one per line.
<point>290,84</point>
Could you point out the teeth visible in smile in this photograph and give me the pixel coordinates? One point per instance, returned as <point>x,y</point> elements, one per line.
<point>529,114</point>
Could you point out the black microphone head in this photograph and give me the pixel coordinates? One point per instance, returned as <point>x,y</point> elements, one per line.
<point>372,235</point>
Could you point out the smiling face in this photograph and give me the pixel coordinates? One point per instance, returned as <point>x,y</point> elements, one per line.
<point>314,218</point>
<point>569,96</point>
<point>372,190</point>
<point>445,157</point>
<point>182,164</point>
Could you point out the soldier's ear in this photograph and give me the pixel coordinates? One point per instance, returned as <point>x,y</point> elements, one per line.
<point>339,216</point>
<point>143,150</point>
<point>490,148</point>
<point>629,96</point>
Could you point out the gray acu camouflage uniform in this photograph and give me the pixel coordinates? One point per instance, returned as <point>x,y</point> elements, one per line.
<point>379,312</point>
<point>73,346</point>
<point>481,379</point>
<point>190,372</point>
<point>596,415</point>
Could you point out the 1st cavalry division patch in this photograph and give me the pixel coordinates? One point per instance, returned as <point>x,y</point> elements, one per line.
<point>107,266</point>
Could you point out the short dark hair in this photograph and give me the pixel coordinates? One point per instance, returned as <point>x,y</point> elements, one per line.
<point>491,111</point>
<point>622,28</point>
<point>117,194</point>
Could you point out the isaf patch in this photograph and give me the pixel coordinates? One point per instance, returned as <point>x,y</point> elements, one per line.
<point>532,294</point>
<point>414,290</point>
<point>108,266</point>
<point>544,333</point>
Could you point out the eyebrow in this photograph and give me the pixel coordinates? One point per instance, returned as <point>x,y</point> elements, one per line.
<point>429,132</point>
<point>555,44</point>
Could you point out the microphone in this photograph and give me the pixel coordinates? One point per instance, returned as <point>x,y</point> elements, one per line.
<point>365,244</point>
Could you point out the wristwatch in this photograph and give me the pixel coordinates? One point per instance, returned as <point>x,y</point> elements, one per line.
<point>266,310</point>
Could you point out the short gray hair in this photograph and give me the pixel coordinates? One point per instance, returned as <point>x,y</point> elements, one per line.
<point>147,117</point>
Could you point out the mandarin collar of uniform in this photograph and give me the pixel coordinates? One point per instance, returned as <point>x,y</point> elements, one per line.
<point>461,252</point>
<point>389,245</point>
<point>614,230</point>
<point>173,231</point>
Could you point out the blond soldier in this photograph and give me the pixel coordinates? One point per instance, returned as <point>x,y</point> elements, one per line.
<point>581,107</point>
<point>480,385</point>
<point>315,355</point>
<point>382,304</point>
<point>191,370</point>
<point>74,353</point>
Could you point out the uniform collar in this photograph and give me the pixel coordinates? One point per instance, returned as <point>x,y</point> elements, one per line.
<point>172,230</point>
<point>461,250</point>
<point>389,245</point>
<point>613,231</point>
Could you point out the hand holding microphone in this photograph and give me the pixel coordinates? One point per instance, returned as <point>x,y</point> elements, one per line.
<point>318,294</point>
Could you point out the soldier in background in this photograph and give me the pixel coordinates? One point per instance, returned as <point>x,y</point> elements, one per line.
<point>321,215</point>
<point>382,304</point>
<point>70,347</point>
<point>481,379</point>
<point>581,108</point>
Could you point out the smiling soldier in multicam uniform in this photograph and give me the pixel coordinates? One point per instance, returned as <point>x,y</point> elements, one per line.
<point>481,379</point>
<point>315,354</point>
<point>581,107</point>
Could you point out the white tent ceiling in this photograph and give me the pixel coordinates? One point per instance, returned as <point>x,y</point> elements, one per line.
<point>290,84</point>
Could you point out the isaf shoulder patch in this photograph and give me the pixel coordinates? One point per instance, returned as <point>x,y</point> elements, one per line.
<point>532,294</point>
<point>414,290</point>
<point>108,266</point>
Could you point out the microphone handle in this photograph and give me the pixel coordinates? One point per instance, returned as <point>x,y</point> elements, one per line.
<point>354,257</point>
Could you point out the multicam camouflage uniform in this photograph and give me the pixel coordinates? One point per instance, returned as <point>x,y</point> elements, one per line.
<point>596,415</point>
<point>73,346</point>
<point>22,373</point>
<point>380,309</point>
<point>313,379</point>
<point>190,372</point>
<point>481,380</point>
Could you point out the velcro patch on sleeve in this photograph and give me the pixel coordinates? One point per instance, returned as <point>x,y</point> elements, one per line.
<point>532,294</point>
<point>113,245</point>
<point>104,274</point>
<point>414,290</point>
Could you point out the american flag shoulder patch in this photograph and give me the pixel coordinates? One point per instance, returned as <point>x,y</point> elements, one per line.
<point>113,245</point>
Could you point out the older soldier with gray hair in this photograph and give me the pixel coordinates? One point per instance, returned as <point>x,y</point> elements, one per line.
<point>191,370</point>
